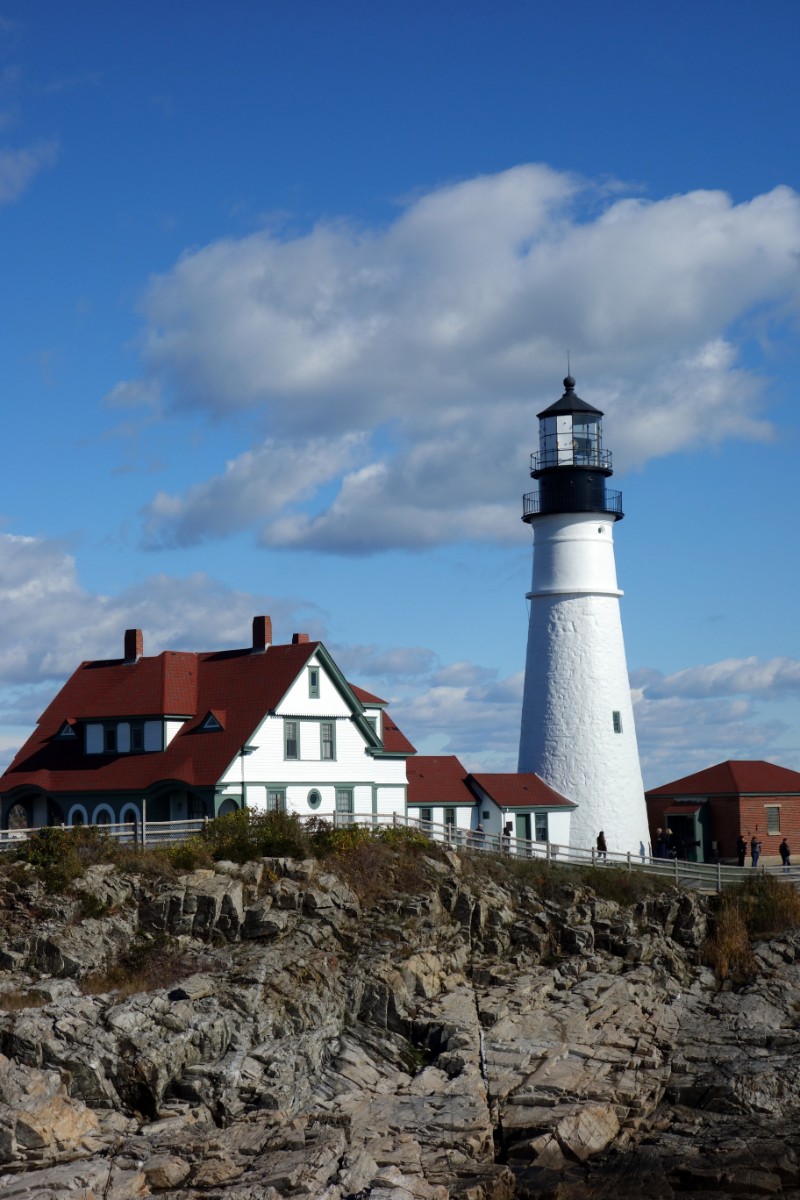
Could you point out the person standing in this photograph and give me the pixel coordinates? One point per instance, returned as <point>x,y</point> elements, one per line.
<point>602,848</point>
<point>755,849</point>
<point>659,846</point>
<point>741,850</point>
<point>785,854</point>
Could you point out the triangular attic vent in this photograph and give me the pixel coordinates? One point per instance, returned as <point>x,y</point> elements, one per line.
<point>211,723</point>
<point>67,730</point>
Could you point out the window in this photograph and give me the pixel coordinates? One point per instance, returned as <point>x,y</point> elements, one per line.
<point>276,800</point>
<point>327,740</point>
<point>617,721</point>
<point>773,818</point>
<point>450,823</point>
<point>110,737</point>
<point>137,738</point>
<point>313,683</point>
<point>373,721</point>
<point>426,817</point>
<point>540,827</point>
<point>94,739</point>
<point>314,799</point>
<point>344,802</point>
<point>290,741</point>
<point>210,724</point>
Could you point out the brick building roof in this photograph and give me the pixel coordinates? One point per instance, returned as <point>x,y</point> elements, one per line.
<point>742,777</point>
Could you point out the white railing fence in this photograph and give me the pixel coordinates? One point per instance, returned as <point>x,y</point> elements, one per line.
<point>705,876</point>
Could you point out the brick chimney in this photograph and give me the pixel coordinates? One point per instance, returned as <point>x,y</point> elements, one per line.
<point>262,634</point>
<point>134,645</point>
<point>299,639</point>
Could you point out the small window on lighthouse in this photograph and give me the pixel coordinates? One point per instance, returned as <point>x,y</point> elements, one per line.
<point>617,720</point>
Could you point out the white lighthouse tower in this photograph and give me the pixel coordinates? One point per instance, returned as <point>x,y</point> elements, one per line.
<point>577,717</point>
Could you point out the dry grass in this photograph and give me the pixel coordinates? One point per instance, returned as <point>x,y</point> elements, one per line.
<point>728,950</point>
<point>758,908</point>
<point>17,1001</point>
<point>376,871</point>
<point>145,966</point>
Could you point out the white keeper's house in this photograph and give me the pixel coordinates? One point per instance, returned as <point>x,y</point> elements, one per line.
<point>269,727</point>
<point>180,735</point>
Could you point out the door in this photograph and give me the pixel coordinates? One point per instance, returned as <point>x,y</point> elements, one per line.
<point>686,837</point>
<point>522,831</point>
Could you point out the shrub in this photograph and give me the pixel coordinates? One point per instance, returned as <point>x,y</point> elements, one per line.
<point>245,835</point>
<point>62,855</point>
<point>189,855</point>
<point>404,837</point>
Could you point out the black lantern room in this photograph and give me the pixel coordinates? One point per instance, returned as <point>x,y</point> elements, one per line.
<point>571,465</point>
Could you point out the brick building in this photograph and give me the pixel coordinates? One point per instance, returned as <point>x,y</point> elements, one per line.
<point>707,811</point>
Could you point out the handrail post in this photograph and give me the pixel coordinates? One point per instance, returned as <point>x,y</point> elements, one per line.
<point>719,877</point>
<point>144,822</point>
<point>594,857</point>
<point>630,868</point>
<point>675,860</point>
<point>548,854</point>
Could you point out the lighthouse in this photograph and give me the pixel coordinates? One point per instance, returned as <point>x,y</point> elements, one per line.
<point>577,717</point>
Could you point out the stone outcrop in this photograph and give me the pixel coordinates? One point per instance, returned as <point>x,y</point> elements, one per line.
<point>467,1037</point>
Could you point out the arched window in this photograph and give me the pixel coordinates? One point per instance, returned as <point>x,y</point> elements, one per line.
<point>78,815</point>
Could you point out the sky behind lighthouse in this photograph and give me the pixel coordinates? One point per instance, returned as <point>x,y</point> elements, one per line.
<point>285,286</point>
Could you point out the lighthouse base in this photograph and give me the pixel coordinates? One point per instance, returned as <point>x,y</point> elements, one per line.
<point>577,728</point>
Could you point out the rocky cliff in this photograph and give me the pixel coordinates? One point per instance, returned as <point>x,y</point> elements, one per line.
<point>467,1034</point>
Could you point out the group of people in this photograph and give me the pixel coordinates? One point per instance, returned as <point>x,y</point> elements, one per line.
<point>755,851</point>
<point>665,845</point>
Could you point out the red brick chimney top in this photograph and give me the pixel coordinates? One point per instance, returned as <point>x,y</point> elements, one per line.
<point>134,645</point>
<point>262,634</point>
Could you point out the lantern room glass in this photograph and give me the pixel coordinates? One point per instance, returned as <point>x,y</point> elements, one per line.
<point>570,439</point>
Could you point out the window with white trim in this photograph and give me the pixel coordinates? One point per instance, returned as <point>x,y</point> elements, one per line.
<point>773,818</point>
<point>540,827</point>
<point>313,683</point>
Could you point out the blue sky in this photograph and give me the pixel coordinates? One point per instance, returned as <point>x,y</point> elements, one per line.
<point>284,286</point>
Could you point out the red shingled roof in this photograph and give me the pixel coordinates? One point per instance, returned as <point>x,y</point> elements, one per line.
<point>364,696</point>
<point>441,779</point>
<point>237,684</point>
<point>437,779</point>
<point>749,777</point>
<point>521,791</point>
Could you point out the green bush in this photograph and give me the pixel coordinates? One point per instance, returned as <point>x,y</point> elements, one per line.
<point>404,837</point>
<point>245,835</point>
<point>61,855</point>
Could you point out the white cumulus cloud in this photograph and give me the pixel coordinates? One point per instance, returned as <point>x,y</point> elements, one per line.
<point>436,338</point>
